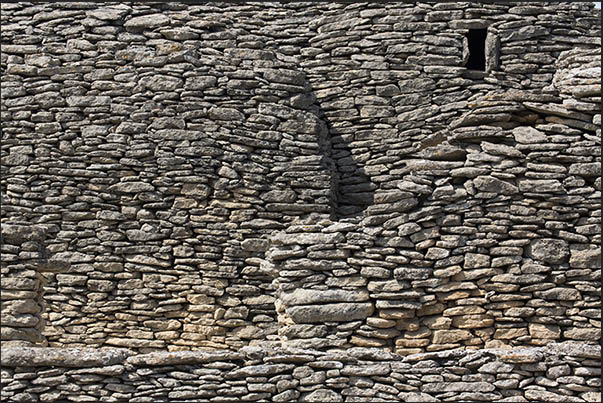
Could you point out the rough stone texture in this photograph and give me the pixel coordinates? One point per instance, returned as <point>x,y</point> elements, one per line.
<point>25,264</point>
<point>566,372</point>
<point>198,165</point>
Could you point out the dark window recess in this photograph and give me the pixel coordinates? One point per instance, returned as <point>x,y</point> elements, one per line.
<point>477,49</point>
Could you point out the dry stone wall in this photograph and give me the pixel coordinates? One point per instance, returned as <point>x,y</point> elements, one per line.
<point>220,175</point>
<point>556,373</point>
<point>160,165</point>
<point>24,262</point>
<point>473,246</point>
<point>333,202</point>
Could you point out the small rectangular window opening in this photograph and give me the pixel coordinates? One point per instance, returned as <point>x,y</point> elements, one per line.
<point>477,49</point>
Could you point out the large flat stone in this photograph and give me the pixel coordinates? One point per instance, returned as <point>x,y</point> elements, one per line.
<point>304,296</point>
<point>494,185</point>
<point>183,357</point>
<point>549,250</point>
<point>62,357</point>
<point>307,239</point>
<point>342,312</point>
<point>458,387</point>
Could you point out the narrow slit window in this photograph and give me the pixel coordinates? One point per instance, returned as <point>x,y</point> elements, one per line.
<point>477,49</point>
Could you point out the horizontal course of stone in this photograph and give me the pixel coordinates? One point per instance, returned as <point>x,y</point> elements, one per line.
<point>557,373</point>
<point>218,174</point>
<point>24,260</point>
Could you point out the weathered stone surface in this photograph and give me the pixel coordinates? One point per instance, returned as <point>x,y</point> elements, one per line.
<point>476,260</point>
<point>543,331</point>
<point>308,296</point>
<point>307,239</point>
<point>67,357</point>
<point>342,312</point>
<point>322,395</point>
<point>592,169</point>
<point>450,336</point>
<point>549,250</point>
<point>541,186</point>
<point>494,185</point>
<point>259,370</point>
<point>131,187</point>
<point>398,174</point>
<point>585,256</point>
<point>411,274</point>
<point>458,387</point>
<point>108,13</point>
<point>149,21</point>
<point>529,135</point>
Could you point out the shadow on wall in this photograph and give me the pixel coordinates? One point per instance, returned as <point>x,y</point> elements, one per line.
<point>353,189</point>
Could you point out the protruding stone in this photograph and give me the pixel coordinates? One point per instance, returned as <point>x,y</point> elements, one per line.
<point>342,312</point>
<point>555,251</point>
<point>149,21</point>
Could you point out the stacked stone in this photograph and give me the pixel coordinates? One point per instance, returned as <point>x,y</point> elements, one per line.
<point>490,239</point>
<point>166,142</point>
<point>559,372</point>
<point>387,77</point>
<point>321,297</point>
<point>471,264</point>
<point>24,259</point>
<point>164,163</point>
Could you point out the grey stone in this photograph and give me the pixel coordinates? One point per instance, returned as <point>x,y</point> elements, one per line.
<point>131,187</point>
<point>303,331</point>
<point>161,82</point>
<point>182,358</point>
<point>558,293</point>
<point>286,396</point>
<point>66,357</point>
<point>322,395</point>
<point>223,113</point>
<point>549,250</point>
<point>494,185</point>
<point>409,273</point>
<point>457,387</point>
<point>541,186</point>
<point>306,296</point>
<point>585,256</point>
<point>586,169</point>
<point>149,21</point>
<point>283,238</point>
<point>200,83</point>
<point>255,244</point>
<point>109,13</point>
<point>529,135</point>
<point>259,370</point>
<point>339,312</point>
